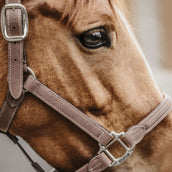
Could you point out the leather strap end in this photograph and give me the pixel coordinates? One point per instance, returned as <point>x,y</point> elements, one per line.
<point>98,164</point>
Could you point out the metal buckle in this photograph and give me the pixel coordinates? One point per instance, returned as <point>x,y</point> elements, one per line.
<point>120,160</point>
<point>24,21</point>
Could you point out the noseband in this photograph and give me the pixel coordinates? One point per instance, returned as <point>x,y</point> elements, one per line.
<point>14,26</point>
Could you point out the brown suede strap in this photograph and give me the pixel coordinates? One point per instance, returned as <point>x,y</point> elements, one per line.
<point>92,128</point>
<point>133,136</point>
<point>15,50</point>
<point>16,25</point>
<point>8,111</point>
<point>136,133</point>
<point>97,164</point>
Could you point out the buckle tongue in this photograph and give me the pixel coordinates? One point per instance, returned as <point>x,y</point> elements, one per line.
<point>120,160</point>
<point>24,22</point>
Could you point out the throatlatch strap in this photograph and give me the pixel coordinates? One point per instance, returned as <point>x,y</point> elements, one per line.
<point>8,111</point>
<point>15,50</point>
<point>35,165</point>
<point>6,116</point>
<point>92,128</point>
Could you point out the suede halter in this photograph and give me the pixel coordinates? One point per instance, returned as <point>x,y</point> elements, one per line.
<point>14,26</point>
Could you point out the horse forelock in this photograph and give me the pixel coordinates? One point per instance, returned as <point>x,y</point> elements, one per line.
<point>66,11</point>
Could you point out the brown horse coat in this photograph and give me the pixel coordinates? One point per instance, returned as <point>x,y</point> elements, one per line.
<point>114,85</point>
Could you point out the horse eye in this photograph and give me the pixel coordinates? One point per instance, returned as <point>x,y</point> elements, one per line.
<point>95,38</point>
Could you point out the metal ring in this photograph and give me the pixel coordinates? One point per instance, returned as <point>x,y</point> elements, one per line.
<point>31,72</point>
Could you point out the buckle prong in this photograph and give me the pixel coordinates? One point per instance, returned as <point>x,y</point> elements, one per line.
<point>120,160</point>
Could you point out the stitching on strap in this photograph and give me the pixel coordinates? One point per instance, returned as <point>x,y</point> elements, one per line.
<point>21,51</point>
<point>101,135</point>
<point>75,122</point>
<point>93,168</point>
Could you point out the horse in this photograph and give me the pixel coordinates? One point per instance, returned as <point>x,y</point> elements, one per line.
<point>86,51</point>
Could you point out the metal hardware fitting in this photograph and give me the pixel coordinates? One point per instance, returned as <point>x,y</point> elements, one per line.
<point>31,72</point>
<point>120,160</point>
<point>4,22</point>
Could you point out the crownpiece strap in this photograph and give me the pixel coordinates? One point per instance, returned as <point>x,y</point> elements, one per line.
<point>14,27</point>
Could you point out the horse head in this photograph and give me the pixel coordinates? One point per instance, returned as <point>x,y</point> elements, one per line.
<point>86,51</point>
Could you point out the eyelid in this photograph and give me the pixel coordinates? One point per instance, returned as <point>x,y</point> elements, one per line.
<point>108,26</point>
<point>89,26</point>
<point>97,28</point>
<point>91,29</point>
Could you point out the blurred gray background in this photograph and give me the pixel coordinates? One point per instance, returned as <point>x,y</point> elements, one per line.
<point>151,20</point>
